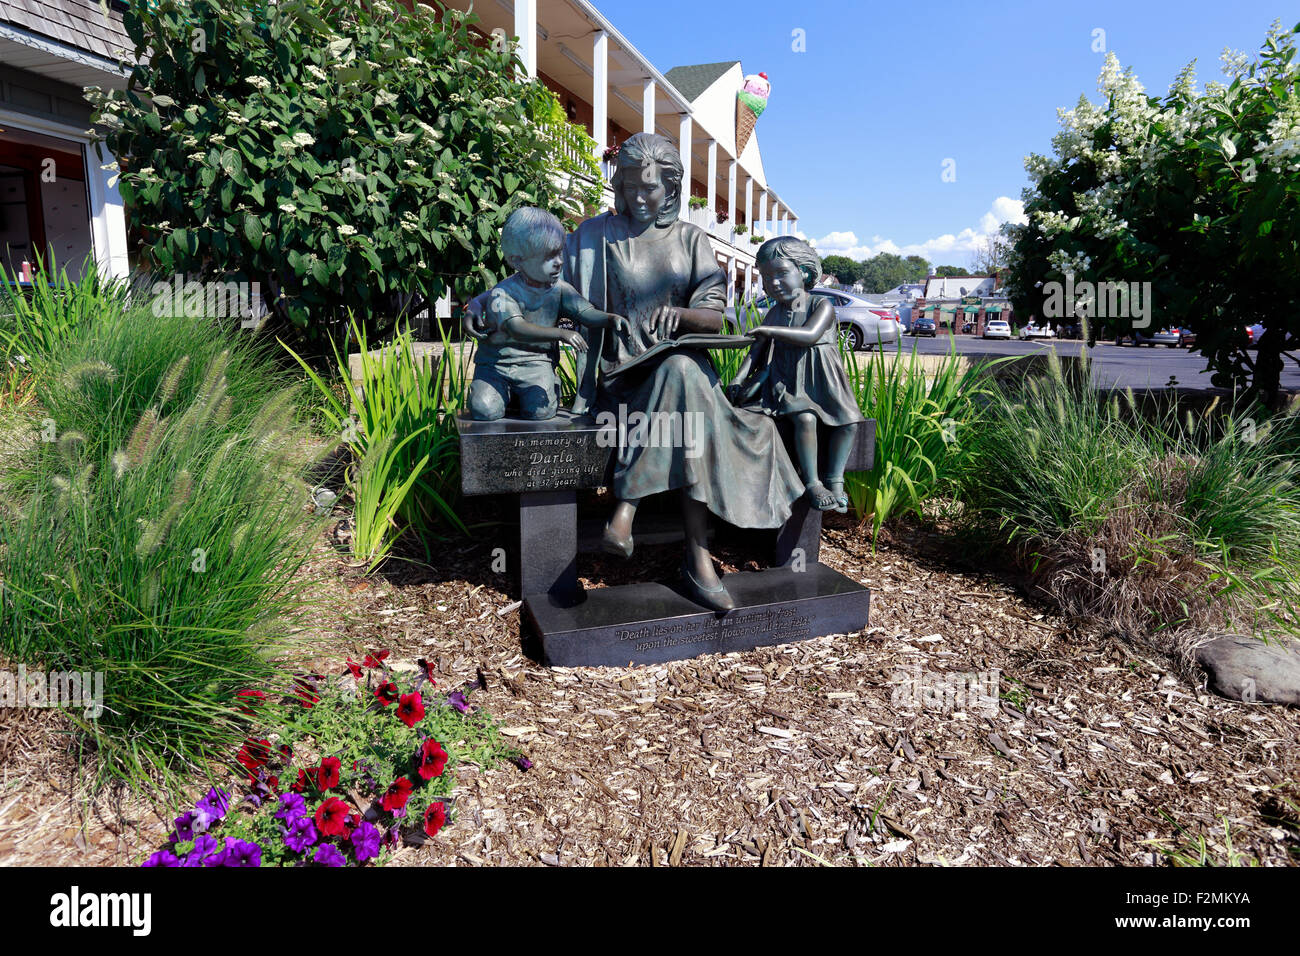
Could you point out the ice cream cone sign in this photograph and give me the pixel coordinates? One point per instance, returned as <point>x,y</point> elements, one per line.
<point>751,100</point>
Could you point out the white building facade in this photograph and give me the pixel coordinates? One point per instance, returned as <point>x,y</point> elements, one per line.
<point>57,203</point>
<point>606,84</point>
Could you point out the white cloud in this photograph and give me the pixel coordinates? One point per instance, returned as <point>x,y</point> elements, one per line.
<point>941,250</point>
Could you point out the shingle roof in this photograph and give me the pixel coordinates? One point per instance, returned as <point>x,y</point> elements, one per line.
<point>691,81</point>
<point>78,23</point>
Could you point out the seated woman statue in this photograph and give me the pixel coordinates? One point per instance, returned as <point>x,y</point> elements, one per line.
<point>644,262</point>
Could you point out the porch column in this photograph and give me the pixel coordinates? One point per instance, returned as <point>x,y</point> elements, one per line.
<point>712,190</point>
<point>648,106</point>
<point>749,204</point>
<point>600,92</point>
<point>526,31</point>
<point>684,146</point>
<point>785,222</point>
<point>762,211</point>
<point>731,193</point>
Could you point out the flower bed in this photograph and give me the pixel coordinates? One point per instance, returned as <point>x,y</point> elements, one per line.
<point>368,754</point>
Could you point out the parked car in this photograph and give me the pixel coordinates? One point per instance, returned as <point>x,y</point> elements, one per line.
<point>1032,331</point>
<point>1186,338</point>
<point>1255,333</point>
<point>997,329</point>
<point>860,321</point>
<point>1168,337</point>
<point>924,326</point>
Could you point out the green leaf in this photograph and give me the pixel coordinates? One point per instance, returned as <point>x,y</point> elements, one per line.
<point>253,230</point>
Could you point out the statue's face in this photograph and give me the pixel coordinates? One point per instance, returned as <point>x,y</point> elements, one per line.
<point>544,267</point>
<point>644,193</point>
<point>782,280</point>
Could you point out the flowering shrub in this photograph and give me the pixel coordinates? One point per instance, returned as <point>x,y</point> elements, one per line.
<point>343,155</point>
<point>1197,193</point>
<point>359,764</point>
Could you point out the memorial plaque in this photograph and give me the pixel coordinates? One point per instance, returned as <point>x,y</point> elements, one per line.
<point>510,455</point>
<point>651,623</point>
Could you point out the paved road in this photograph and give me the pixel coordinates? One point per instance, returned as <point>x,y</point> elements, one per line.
<point>1113,365</point>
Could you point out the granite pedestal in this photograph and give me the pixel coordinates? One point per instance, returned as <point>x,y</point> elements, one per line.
<point>546,463</point>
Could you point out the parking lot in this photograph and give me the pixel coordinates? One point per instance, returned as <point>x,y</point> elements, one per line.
<point>1113,365</point>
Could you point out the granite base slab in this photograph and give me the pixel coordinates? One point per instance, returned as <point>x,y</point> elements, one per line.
<point>649,623</point>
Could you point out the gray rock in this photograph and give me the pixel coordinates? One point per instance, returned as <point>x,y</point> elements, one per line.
<point>1245,668</point>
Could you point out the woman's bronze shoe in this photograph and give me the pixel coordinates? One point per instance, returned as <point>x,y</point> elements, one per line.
<point>613,544</point>
<point>715,599</point>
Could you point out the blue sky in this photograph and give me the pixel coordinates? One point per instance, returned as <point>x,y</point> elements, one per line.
<point>858,126</point>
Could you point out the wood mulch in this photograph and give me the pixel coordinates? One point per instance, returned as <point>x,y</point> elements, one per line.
<point>806,754</point>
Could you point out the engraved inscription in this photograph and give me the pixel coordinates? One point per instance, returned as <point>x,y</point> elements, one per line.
<point>777,626</point>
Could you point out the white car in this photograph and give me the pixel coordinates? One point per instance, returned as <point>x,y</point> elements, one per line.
<point>997,329</point>
<point>1032,331</point>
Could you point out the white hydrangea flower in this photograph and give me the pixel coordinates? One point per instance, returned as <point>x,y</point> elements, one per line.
<point>346,230</point>
<point>288,207</point>
<point>259,82</point>
<point>304,139</point>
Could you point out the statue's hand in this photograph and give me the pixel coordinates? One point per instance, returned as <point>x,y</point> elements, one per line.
<point>665,320</point>
<point>574,339</point>
<point>474,323</point>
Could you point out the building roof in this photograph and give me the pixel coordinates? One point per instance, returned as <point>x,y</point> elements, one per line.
<point>80,24</point>
<point>691,81</point>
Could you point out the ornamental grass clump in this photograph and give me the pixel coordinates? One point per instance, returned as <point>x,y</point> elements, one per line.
<point>339,772</point>
<point>153,533</point>
<point>1154,527</point>
<point>922,425</point>
<point>401,430</point>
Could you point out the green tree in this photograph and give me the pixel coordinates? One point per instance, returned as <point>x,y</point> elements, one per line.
<point>842,268</point>
<point>1196,193</point>
<point>944,272</point>
<point>917,268</point>
<point>350,157</point>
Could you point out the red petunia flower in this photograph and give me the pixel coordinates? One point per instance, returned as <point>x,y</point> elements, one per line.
<point>386,693</point>
<point>411,709</point>
<point>430,759</point>
<point>305,688</point>
<point>399,791</point>
<point>327,774</point>
<point>254,753</point>
<point>354,668</point>
<point>246,700</point>
<point>332,817</point>
<point>304,780</point>
<point>428,667</point>
<point>376,659</point>
<point>434,818</point>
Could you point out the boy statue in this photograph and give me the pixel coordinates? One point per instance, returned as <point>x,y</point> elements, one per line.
<point>517,359</point>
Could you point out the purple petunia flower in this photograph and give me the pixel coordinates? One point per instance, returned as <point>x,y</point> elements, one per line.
<point>457,699</point>
<point>301,834</point>
<point>205,847</point>
<point>292,806</point>
<point>329,855</point>
<point>188,825</point>
<point>365,841</point>
<point>241,853</point>
<point>213,807</point>
<point>162,858</point>
<point>523,763</point>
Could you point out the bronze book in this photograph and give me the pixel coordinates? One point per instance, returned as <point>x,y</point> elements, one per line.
<point>695,340</point>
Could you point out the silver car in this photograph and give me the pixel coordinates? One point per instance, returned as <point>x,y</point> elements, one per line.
<point>860,320</point>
